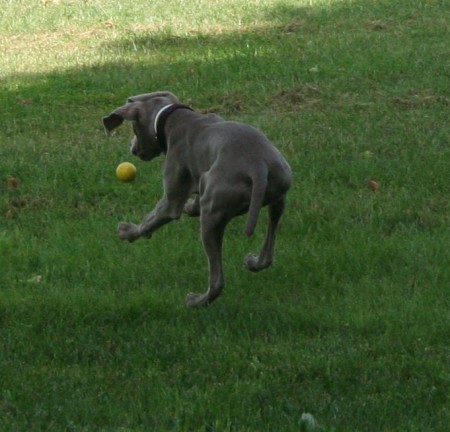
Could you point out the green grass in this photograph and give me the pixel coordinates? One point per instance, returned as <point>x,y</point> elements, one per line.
<point>352,322</point>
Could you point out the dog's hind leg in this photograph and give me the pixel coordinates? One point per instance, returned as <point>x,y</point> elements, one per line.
<point>259,262</point>
<point>212,230</point>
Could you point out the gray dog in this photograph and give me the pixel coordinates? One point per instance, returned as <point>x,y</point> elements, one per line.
<point>214,169</point>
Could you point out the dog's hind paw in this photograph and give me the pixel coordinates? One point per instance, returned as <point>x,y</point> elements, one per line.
<point>253,263</point>
<point>196,300</point>
<point>192,207</point>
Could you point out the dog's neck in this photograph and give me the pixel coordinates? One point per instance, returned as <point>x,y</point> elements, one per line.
<point>160,123</point>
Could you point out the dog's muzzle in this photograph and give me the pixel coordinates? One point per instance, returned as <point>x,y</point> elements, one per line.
<point>143,155</point>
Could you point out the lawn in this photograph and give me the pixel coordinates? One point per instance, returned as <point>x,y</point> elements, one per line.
<point>352,322</point>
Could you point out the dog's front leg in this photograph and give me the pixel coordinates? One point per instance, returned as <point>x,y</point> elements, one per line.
<point>163,213</point>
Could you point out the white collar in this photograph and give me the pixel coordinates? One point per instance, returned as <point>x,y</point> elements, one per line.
<point>155,126</point>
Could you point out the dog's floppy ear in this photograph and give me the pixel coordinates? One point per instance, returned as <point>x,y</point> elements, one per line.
<point>129,112</point>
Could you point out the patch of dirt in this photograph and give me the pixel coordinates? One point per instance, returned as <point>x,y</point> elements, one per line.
<point>377,25</point>
<point>230,102</point>
<point>303,96</point>
<point>18,204</point>
<point>420,99</point>
<point>292,26</point>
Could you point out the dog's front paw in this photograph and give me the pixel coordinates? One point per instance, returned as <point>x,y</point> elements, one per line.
<point>128,231</point>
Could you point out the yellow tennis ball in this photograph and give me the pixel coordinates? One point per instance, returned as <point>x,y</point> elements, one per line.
<point>126,171</point>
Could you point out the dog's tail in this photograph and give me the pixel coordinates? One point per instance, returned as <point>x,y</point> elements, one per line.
<point>259,186</point>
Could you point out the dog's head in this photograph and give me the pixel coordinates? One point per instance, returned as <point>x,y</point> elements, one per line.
<point>141,110</point>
